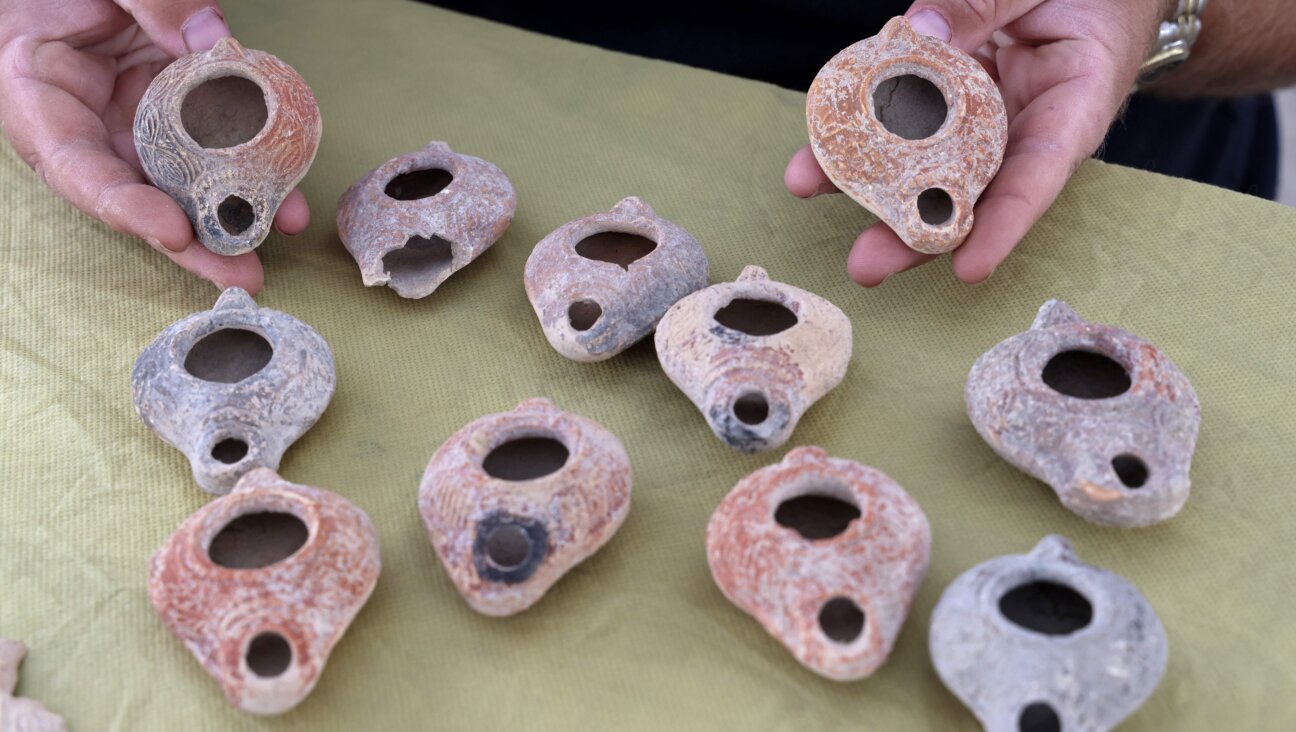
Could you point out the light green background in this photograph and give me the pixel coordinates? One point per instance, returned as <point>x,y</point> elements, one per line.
<point>638,636</point>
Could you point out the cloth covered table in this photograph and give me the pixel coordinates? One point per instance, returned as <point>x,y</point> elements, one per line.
<point>638,636</point>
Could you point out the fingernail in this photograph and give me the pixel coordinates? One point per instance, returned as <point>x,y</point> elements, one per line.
<point>930,23</point>
<point>153,243</point>
<point>822,188</point>
<point>203,29</point>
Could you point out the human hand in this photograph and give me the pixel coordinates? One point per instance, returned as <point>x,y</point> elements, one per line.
<point>1064,67</point>
<point>71,75</point>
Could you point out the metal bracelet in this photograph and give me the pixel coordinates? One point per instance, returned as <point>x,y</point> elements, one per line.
<point>1175,38</point>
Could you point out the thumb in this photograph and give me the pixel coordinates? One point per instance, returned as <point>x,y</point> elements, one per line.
<point>966,24</point>
<point>179,26</point>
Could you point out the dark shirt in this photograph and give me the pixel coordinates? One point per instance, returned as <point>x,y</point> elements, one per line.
<point>1232,143</point>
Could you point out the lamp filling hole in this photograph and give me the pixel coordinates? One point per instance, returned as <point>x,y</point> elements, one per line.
<point>229,450</point>
<point>816,515</point>
<point>583,314</point>
<point>751,408</point>
<point>256,540</point>
<point>755,317</point>
<point>224,112</point>
<point>418,184</point>
<point>1131,470</point>
<point>618,247</point>
<point>235,215</point>
<point>841,619</point>
<point>526,458</point>
<point>1086,375</point>
<point>935,207</point>
<point>1039,717</point>
<point>508,546</point>
<point>228,356</point>
<point>909,106</point>
<point>1046,607</point>
<point>269,655</point>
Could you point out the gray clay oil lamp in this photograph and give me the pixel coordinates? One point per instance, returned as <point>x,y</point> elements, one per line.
<point>600,284</point>
<point>513,501</point>
<point>418,218</point>
<point>1043,642</point>
<point>754,355</point>
<point>233,387</point>
<point>1100,415</point>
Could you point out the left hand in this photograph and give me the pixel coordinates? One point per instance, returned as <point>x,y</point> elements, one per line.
<point>1064,67</point>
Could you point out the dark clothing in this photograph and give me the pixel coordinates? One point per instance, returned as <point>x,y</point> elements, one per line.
<point>1232,143</point>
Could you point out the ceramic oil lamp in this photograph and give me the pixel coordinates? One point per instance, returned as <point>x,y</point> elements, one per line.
<point>513,501</point>
<point>601,283</point>
<point>228,133</point>
<point>18,714</point>
<point>827,554</point>
<point>754,355</point>
<point>232,388</point>
<point>261,584</point>
<point>419,218</point>
<point>911,128</point>
<point>1045,643</point>
<point>1099,414</point>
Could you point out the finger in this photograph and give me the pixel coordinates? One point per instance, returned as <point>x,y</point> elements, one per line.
<point>88,77</point>
<point>985,55</point>
<point>966,24</point>
<point>803,176</point>
<point>293,215</point>
<point>1047,141</point>
<point>179,26</point>
<point>142,210</point>
<point>878,253</point>
<point>243,270</point>
<point>1026,185</point>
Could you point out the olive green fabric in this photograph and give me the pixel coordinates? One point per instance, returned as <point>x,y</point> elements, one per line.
<point>637,637</point>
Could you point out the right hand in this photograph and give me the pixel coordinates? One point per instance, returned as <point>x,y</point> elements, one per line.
<point>71,75</point>
<point>1065,68</point>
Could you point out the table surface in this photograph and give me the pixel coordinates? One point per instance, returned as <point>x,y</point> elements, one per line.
<point>639,635</point>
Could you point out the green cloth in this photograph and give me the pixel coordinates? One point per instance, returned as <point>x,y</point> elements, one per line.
<point>638,636</point>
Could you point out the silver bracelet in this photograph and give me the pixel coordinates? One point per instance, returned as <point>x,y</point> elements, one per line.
<point>1175,39</point>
